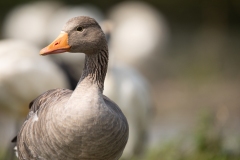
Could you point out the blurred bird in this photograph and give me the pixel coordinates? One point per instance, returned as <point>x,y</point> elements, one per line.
<point>139,32</point>
<point>23,76</point>
<point>130,90</point>
<point>29,21</point>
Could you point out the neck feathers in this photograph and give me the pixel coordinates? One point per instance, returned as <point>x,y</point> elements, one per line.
<point>95,68</point>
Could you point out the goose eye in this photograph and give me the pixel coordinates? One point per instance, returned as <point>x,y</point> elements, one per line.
<point>80,29</point>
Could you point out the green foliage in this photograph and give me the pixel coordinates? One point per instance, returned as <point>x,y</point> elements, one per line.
<point>206,144</point>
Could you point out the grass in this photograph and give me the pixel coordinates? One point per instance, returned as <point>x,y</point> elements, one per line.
<point>205,143</point>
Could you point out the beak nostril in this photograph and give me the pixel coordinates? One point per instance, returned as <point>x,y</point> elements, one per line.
<point>59,45</point>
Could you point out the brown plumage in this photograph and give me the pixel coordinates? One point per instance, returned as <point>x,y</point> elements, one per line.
<point>80,124</point>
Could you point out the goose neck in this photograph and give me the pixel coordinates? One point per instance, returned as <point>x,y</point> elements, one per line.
<point>95,68</point>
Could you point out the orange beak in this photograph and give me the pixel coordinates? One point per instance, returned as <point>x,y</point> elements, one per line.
<point>59,45</point>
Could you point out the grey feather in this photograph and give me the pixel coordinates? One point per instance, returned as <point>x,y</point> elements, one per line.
<point>80,124</point>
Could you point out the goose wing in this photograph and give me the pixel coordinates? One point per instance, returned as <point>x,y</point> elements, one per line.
<point>45,100</point>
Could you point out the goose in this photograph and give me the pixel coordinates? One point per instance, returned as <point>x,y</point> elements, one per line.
<point>81,124</point>
<point>24,75</point>
<point>36,13</point>
<point>139,32</point>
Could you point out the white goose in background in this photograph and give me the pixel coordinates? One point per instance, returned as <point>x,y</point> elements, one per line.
<point>130,90</point>
<point>139,33</point>
<point>23,76</point>
<point>29,21</point>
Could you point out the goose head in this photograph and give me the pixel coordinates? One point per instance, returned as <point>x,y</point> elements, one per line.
<point>80,34</point>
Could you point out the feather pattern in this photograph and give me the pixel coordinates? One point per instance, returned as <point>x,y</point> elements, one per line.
<point>80,124</point>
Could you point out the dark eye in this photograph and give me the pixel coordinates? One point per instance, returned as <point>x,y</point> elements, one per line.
<point>80,29</point>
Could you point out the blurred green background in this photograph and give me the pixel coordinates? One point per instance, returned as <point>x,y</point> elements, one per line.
<point>195,79</point>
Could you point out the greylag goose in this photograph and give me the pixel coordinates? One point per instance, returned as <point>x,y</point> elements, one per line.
<point>80,124</point>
